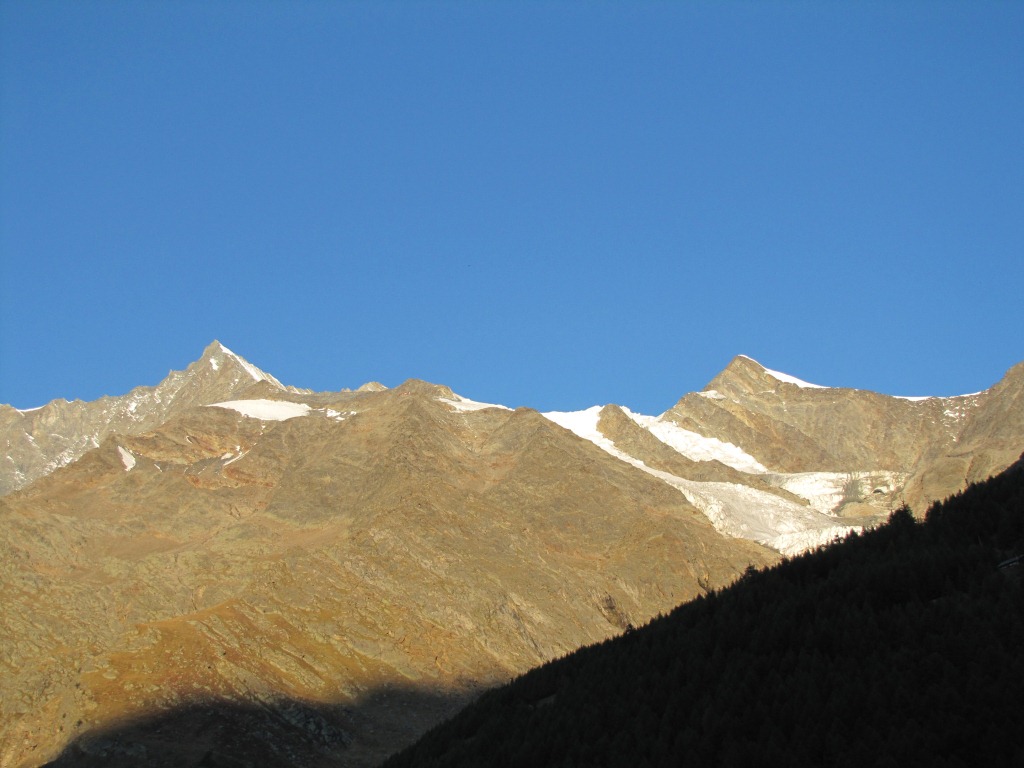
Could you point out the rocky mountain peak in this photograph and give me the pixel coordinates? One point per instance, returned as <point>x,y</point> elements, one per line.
<point>1013,379</point>
<point>740,371</point>
<point>216,357</point>
<point>38,441</point>
<point>744,375</point>
<point>420,387</point>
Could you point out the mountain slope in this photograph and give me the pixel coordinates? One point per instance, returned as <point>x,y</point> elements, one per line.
<point>790,464</point>
<point>794,427</point>
<point>359,563</point>
<point>897,647</point>
<point>991,436</point>
<point>335,546</point>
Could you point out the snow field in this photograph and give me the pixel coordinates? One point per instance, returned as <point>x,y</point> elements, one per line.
<point>266,410</point>
<point>466,405</point>
<point>735,510</point>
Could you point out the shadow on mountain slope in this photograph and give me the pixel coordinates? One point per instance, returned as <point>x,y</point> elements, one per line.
<point>899,646</point>
<point>281,734</point>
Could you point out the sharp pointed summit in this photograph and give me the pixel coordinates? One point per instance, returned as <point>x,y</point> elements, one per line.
<point>217,355</point>
<point>744,374</point>
<point>60,432</point>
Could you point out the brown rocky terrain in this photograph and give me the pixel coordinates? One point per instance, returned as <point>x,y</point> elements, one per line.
<point>939,443</point>
<point>39,440</point>
<point>384,542</point>
<point>317,582</point>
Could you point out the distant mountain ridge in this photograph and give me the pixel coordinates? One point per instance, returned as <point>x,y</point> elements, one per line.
<point>797,428</point>
<point>325,547</point>
<point>810,460</point>
<point>224,538</point>
<point>40,440</point>
<point>792,425</point>
<point>764,455</point>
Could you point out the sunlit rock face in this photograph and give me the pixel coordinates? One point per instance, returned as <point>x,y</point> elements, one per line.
<point>221,568</point>
<point>933,445</point>
<point>791,465</point>
<point>40,440</point>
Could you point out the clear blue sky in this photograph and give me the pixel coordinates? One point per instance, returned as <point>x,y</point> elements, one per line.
<point>543,204</point>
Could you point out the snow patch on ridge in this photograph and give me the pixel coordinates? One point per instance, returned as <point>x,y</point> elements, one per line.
<point>935,397</point>
<point>807,385</point>
<point>266,410</point>
<point>712,394</point>
<point>696,446</point>
<point>251,369</point>
<point>734,509</point>
<point>464,404</point>
<point>584,424</point>
<point>692,445</point>
<point>785,377</point>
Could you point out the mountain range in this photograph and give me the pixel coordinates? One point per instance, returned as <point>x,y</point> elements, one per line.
<point>342,570</point>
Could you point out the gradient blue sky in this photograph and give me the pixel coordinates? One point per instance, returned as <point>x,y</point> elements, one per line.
<point>543,204</point>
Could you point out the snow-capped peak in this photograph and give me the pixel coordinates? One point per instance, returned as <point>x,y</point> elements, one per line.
<point>785,377</point>
<point>249,368</point>
<point>733,508</point>
<point>695,446</point>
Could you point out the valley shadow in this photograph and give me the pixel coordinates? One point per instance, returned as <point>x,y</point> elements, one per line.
<point>281,734</point>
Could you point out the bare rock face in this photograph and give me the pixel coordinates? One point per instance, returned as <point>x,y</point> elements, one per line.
<point>40,440</point>
<point>989,439</point>
<point>794,428</point>
<point>340,551</point>
<point>938,443</point>
<point>221,570</point>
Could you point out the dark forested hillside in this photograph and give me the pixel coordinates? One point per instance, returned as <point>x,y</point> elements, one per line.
<point>900,646</point>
